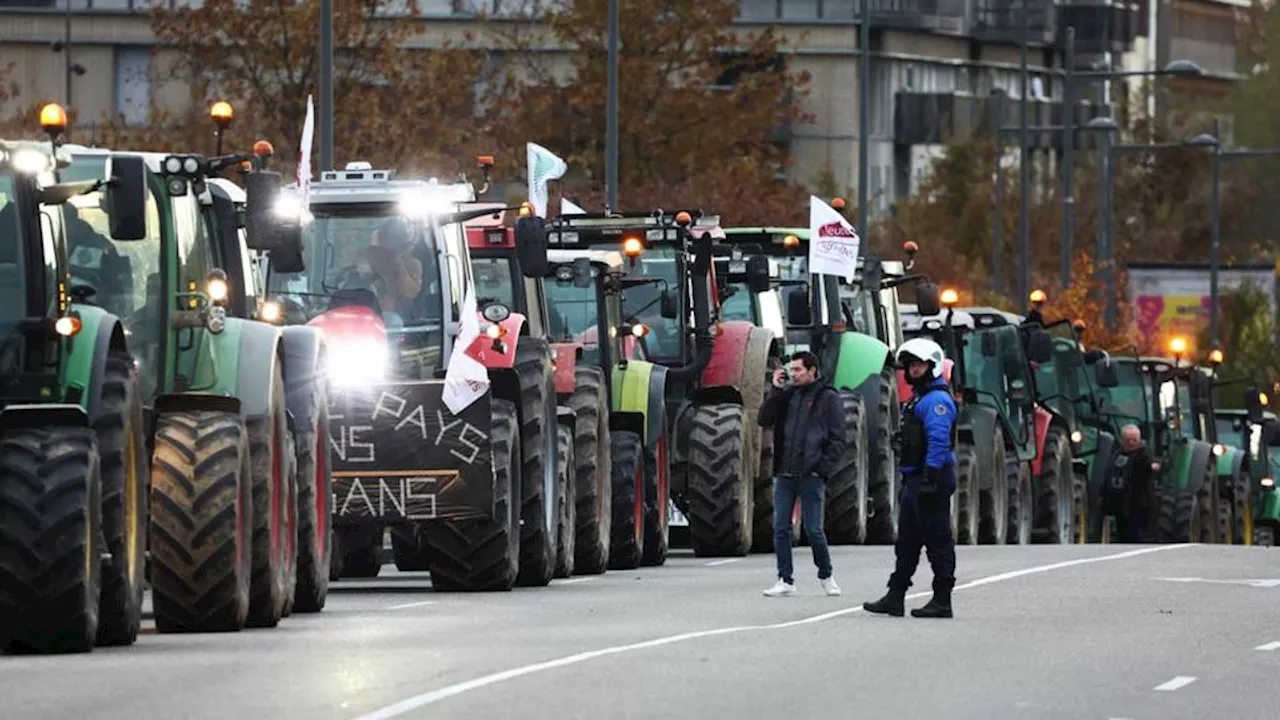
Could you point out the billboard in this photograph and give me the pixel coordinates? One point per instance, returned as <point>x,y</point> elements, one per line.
<point>1169,299</point>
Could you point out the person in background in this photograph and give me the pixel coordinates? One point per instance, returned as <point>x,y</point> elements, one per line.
<point>1138,496</point>
<point>390,256</point>
<point>809,429</point>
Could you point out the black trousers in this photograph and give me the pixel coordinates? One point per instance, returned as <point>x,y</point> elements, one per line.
<point>924,522</point>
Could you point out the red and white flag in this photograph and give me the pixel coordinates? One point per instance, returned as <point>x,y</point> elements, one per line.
<point>833,243</point>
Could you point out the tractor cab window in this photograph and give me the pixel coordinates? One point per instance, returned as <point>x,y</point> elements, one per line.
<point>643,303</point>
<point>13,302</point>
<point>575,316</point>
<point>860,309</point>
<point>1231,432</point>
<point>195,244</point>
<point>495,282</point>
<point>1175,407</point>
<point>1128,401</point>
<point>995,365</point>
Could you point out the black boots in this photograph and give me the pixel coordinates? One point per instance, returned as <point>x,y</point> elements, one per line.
<point>939,606</point>
<point>890,604</point>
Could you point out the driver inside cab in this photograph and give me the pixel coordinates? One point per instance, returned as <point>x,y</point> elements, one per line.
<point>389,255</point>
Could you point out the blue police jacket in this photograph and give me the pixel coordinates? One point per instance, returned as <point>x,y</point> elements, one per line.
<point>937,411</point>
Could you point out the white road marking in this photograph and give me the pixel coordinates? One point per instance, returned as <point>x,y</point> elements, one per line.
<point>1266,647</point>
<point>717,563</point>
<point>1179,682</point>
<point>411,605</point>
<point>1261,583</point>
<point>434,696</point>
<point>571,581</point>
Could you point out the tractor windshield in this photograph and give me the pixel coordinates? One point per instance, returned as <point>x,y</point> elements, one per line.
<point>125,275</point>
<point>575,316</point>
<point>1128,400</point>
<point>1061,380</point>
<point>996,366</point>
<point>495,281</point>
<point>643,303</point>
<point>1231,432</point>
<point>1175,405</point>
<point>861,307</point>
<point>12,260</point>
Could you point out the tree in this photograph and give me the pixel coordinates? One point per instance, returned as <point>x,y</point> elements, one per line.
<point>698,98</point>
<point>396,107</point>
<point>1248,329</point>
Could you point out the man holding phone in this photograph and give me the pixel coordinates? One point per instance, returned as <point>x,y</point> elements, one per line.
<point>809,429</point>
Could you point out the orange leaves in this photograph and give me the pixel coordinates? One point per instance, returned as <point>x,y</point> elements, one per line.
<point>1086,299</point>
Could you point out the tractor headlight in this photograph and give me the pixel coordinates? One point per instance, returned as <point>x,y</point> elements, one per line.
<point>216,286</point>
<point>1077,437</point>
<point>496,312</point>
<point>1219,450</point>
<point>1267,483</point>
<point>357,364</point>
<point>216,319</point>
<point>270,311</point>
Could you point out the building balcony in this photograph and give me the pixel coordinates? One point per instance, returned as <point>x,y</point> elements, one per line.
<point>943,16</point>
<point>1101,28</point>
<point>940,118</point>
<point>1003,20</point>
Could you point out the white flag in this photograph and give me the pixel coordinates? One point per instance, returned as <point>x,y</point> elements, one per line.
<point>567,207</point>
<point>833,243</point>
<point>544,167</point>
<point>466,379</point>
<point>304,155</point>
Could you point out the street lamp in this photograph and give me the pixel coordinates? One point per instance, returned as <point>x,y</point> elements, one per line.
<point>611,113</point>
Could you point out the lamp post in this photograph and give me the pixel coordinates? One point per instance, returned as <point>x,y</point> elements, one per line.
<point>864,118</point>
<point>1106,248</point>
<point>1182,68</point>
<point>1024,167</point>
<point>326,85</point>
<point>611,113</point>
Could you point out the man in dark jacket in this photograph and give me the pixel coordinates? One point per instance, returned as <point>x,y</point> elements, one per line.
<point>809,429</point>
<point>1135,467</point>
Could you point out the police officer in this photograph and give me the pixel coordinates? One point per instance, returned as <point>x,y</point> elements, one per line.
<point>927,462</point>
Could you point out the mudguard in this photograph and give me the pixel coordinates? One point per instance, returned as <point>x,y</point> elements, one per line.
<point>304,350</point>
<point>1230,463</point>
<point>727,354</point>
<point>216,371</point>
<point>1043,419</point>
<point>860,357</point>
<point>34,415</point>
<point>1099,466</point>
<point>84,359</point>
<point>1269,506</point>
<point>260,353</point>
<point>639,392</point>
<point>1194,456</point>
<point>566,365</point>
<point>500,353</point>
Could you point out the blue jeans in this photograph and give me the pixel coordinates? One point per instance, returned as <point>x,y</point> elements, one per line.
<point>811,491</point>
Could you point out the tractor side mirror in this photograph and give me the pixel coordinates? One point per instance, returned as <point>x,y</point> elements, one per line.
<point>126,197</point>
<point>531,247</point>
<point>988,345</point>
<point>758,274</point>
<point>1040,347</point>
<point>670,309</point>
<point>1093,356</point>
<point>1254,403</point>
<point>1105,375</point>
<point>928,299</point>
<point>262,222</point>
<point>581,272</point>
<point>799,311</point>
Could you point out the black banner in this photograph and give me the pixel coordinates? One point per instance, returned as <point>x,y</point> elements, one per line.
<point>399,454</point>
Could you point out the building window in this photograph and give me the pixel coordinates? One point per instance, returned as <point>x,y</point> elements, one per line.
<point>133,84</point>
<point>758,9</point>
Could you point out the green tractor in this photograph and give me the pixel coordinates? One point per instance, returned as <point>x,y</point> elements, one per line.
<point>72,468</point>
<point>1256,431</point>
<point>853,328</point>
<point>223,495</point>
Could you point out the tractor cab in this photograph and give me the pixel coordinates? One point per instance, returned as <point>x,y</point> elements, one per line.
<point>761,306</point>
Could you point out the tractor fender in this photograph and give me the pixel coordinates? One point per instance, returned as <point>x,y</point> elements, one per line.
<point>1102,460</point>
<point>85,363</point>
<point>727,355</point>
<point>1230,463</point>
<point>217,382</point>
<point>869,389</point>
<point>1043,419</point>
<point>1269,507</point>
<point>43,415</point>
<point>260,352</point>
<point>682,430</point>
<point>566,365</point>
<point>304,350</point>
<point>499,353</point>
<point>1199,459</point>
<point>860,357</point>
<point>639,390</point>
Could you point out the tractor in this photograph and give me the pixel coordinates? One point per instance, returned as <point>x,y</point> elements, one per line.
<point>992,375</point>
<point>468,462</point>
<point>853,328</point>
<point>1254,429</point>
<point>73,469</point>
<point>222,530</point>
<point>712,374</point>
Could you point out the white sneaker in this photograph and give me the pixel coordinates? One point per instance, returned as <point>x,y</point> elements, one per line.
<point>829,584</point>
<point>781,589</point>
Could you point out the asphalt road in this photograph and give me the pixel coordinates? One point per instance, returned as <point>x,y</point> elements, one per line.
<point>1041,632</point>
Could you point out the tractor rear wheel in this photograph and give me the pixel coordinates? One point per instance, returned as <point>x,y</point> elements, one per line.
<point>1242,508</point>
<point>846,513</point>
<point>720,493</point>
<point>626,547</point>
<point>762,525</point>
<point>315,488</point>
<point>50,552</point>
<point>122,449</point>
<point>1021,505</point>
<point>965,503</point>
<point>483,555</point>
<point>593,481</point>
<point>882,526</point>
<point>993,501</point>
<point>272,530</point>
<point>657,501</point>
<point>1264,535</point>
<point>201,522</point>
<point>1055,503</point>
<point>566,472</point>
<point>407,550</point>
<point>538,508</point>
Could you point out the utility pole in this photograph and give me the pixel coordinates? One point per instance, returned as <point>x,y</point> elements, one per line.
<point>1068,157</point>
<point>326,85</point>
<point>1024,168</point>
<point>864,121</point>
<point>611,113</point>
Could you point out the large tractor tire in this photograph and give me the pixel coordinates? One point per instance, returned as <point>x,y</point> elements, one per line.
<point>846,506</point>
<point>272,532</point>
<point>1022,506</point>
<point>657,500</point>
<point>626,547</point>
<point>359,549</point>
<point>201,522</point>
<point>720,494</point>
<point>1264,535</point>
<point>994,490</point>
<point>964,503</point>
<point>407,551</point>
<point>1056,502</point>
<point>1242,508</point>
<point>566,472</point>
<point>882,526</point>
<point>315,488</point>
<point>538,508</point>
<point>593,466</point>
<point>1186,516</point>
<point>483,555</point>
<point>122,450</point>
<point>762,524</point>
<point>291,521</point>
<point>50,535</point>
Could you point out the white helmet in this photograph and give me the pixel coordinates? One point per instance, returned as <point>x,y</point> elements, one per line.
<point>924,350</point>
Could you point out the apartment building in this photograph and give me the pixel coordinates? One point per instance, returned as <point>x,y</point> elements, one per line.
<point>941,68</point>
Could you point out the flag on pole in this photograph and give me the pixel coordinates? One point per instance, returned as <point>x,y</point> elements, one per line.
<point>567,207</point>
<point>833,243</point>
<point>465,379</point>
<point>304,155</point>
<point>544,166</point>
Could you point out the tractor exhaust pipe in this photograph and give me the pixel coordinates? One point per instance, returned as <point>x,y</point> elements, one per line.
<point>702,339</point>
